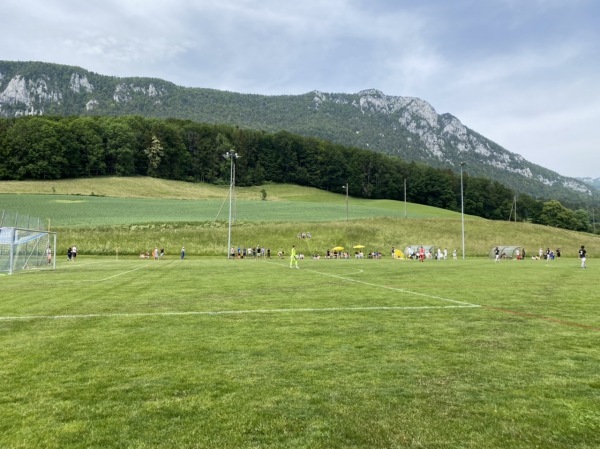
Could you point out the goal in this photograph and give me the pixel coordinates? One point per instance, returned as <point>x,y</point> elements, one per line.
<point>25,243</point>
<point>23,249</point>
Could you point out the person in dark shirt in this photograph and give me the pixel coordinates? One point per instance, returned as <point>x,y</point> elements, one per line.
<point>582,256</point>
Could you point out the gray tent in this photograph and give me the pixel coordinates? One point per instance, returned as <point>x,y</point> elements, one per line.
<point>507,252</point>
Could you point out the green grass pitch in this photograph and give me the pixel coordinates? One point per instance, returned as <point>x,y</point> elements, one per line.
<point>206,352</point>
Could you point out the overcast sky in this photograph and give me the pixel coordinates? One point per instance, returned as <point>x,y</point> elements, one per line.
<point>523,73</point>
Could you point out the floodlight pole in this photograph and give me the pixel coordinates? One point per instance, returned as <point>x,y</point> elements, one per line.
<point>462,208</point>
<point>346,188</point>
<point>231,155</point>
<point>404,197</point>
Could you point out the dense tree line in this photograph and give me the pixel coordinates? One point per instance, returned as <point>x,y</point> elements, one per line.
<point>69,147</point>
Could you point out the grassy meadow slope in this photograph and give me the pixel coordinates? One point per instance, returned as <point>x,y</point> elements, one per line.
<point>130,215</point>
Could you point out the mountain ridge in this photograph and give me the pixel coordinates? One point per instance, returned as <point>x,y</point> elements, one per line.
<point>407,127</point>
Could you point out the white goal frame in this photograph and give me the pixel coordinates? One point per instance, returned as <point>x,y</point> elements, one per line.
<point>22,249</point>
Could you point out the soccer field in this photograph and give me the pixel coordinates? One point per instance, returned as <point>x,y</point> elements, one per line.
<point>216,353</point>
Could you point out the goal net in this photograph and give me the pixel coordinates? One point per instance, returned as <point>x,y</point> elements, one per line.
<point>23,248</point>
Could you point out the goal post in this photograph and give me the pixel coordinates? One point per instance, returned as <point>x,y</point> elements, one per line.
<point>22,249</point>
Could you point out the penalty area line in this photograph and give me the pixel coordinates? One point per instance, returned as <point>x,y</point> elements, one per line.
<point>387,287</point>
<point>118,274</point>
<point>231,312</point>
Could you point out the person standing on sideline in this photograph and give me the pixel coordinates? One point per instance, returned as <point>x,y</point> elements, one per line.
<point>497,253</point>
<point>293,257</point>
<point>582,254</point>
<point>74,253</point>
<point>182,252</point>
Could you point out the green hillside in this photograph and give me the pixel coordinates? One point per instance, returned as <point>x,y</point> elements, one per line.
<point>131,215</point>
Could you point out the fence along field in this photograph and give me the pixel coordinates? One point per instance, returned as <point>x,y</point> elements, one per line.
<point>207,352</point>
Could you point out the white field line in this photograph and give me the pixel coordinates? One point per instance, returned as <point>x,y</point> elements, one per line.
<point>228,312</point>
<point>402,290</point>
<point>72,265</point>
<point>45,269</point>
<point>120,274</point>
<point>104,279</point>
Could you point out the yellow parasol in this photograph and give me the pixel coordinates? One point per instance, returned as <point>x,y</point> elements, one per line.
<point>338,248</point>
<point>358,246</point>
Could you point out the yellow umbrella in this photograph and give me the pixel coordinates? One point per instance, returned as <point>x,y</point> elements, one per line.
<point>358,246</point>
<point>338,248</point>
<point>399,254</point>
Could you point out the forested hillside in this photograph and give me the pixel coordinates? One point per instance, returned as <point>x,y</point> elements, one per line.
<point>70,147</point>
<point>404,127</point>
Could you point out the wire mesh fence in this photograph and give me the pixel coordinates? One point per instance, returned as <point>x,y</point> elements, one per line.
<point>12,219</point>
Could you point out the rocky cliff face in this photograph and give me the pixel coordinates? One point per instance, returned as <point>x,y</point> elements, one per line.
<point>30,95</point>
<point>444,139</point>
<point>21,95</point>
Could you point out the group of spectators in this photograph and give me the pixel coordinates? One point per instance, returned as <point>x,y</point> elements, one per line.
<point>251,252</point>
<point>155,254</point>
<point>548,254</point>
<point>421,254</point>
<point>329,254</point>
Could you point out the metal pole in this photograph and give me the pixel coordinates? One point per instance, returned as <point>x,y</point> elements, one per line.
<point>11,257</point>
<point>231,155</point>
<point>346,201</point>
<point>234,214</point>
<point>54,258</point>
<point>230,198</point>
<point>462,208</point>
<point>404,197</point>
